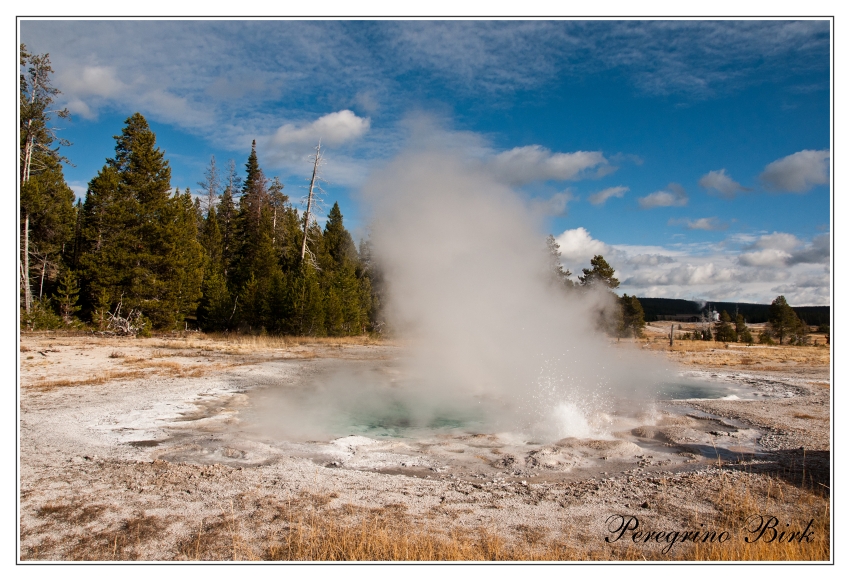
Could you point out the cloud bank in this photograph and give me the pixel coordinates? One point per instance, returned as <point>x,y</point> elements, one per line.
<point>739,268</point>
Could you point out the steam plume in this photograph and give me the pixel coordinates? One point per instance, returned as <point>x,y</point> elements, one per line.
<point>465,264</point>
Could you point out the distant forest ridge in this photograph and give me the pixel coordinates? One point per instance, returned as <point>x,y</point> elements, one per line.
<point>655,309</point>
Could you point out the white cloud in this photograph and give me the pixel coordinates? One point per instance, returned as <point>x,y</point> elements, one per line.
<point>674,196</point>
<point>578,246</point>
<point>79,189</point>
<point>718,181</point>
<point>649,259</point>
<point>777,240</point>
<point>816,252</point>
<point>531,163</point>
<point>367,101</point>
<point>88,81</point>
<point>798,172</point>
<point>766,257</point>
<point>711,224</point>
<point>554,206</point>
<point>601,197</point>
<point>741,268</point>
<point>781,249</point>
<point>684,274</point>
<point>79,107</point>
<point>333,129</point>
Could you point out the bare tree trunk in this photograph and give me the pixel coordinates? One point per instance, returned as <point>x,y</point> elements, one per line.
<point>43,269</point>
<point>25,166</point>
<point>25,275</point>
<point>310,201</point>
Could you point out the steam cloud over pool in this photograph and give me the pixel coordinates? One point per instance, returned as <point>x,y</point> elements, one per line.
<point>491,341</point>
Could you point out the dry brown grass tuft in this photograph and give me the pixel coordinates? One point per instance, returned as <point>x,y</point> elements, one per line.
<point>116,355</point>
<point>765,498</point>
<point>98,379</point>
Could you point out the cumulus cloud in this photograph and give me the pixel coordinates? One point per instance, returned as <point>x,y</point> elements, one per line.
<point>717,181</point>
<point>683,274</point>
<point>783,249</point>
<point>743,267</point>
<point>817,252</point>
<point>333,129</point>
<point>522,165</point>
<point>649,259</point>
<point>554,206</point>
<point>601,197</point>
<point>777,240</point>
<point>798,172</point>
<point>578,245</point>
<point>766,257</point>
<point>674,195</point>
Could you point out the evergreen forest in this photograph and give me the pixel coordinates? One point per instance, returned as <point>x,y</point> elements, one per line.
<point>138,255</point>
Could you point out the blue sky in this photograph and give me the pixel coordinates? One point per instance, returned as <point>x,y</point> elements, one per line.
<point>694,155</point>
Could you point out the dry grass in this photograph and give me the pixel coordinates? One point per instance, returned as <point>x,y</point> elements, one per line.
<point>124,543</point>
<point>307,531</point>
<point>98,379</point>
<point>756,357</point>
<point>310,527</point>
<point>768,497</point>
<point>141,368</point>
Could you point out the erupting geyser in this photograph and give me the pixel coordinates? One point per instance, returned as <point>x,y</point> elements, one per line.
<point>469,289</point>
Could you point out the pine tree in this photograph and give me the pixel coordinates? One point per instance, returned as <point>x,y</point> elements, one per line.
<point>348,300</point>
<point>141,246</point>
<point>600,273</point>
<point>227,220</point>
<point>558,273</point>
<point>725,332</point>
<point>372,286</point>
<point>742,331</point>
<point>338,242</point>
<point>256,274</point>
<point>253,172</point>
<point>67,296</point>
<point>781,318</point>
<point>109,240</point>
<point>187,261</point>
<point>48,214</point>
<point>632,317</point>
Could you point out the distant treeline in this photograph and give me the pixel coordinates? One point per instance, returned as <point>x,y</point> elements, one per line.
<point>655,309</point>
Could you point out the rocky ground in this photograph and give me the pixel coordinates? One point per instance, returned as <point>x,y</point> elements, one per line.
<point>144,449</point>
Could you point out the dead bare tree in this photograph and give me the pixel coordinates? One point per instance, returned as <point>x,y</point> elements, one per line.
<point>211,185</point>
<point>25,266</point>
<point>37,136</point>
<point>46,265</point>
<point>313,201</point>
<point>132,324</point>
